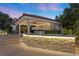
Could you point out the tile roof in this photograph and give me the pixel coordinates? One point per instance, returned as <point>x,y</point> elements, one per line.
<point>36,16</point>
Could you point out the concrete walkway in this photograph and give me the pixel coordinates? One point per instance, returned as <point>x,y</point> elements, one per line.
<point>18,48</point>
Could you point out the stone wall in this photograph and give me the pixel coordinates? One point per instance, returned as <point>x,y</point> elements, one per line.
<point>57,44</point>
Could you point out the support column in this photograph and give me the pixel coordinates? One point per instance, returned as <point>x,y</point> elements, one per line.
<point>28,26</point>
<point>19,29</point>
<point>28,29</point>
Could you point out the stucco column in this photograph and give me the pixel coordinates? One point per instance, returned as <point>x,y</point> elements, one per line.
<point>28,28</point>
<point>19,29</point>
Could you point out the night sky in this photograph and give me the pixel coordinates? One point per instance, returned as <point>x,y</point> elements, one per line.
<point>50,10</point>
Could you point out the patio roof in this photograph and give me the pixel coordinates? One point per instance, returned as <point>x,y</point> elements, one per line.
<point>36,16</point>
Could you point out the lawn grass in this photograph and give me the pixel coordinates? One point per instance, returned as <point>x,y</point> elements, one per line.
<point>51,43</point>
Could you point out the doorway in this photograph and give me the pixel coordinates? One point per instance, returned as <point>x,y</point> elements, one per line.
<point>24,29</point>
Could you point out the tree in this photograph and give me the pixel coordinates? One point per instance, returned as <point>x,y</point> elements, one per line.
<point>56,18</point>
<point>5,20</point>
<point>74,5</point>
<point>70,17</point>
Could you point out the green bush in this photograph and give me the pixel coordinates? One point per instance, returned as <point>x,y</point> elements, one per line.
<point>77,36</point>
<point>70,31</point>
<point>52,32</point>
<point>67,31</point>
<point>77,39</point>
<point>8,28</point>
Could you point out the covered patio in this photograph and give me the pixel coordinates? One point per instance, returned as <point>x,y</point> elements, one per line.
<point>33,25</point>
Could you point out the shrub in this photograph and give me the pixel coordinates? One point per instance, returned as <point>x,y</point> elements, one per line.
<point>77,36</point>
<point>67,31</point>
<point>8,28</point>
<point>52,32</point>
<point>70,31</point>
